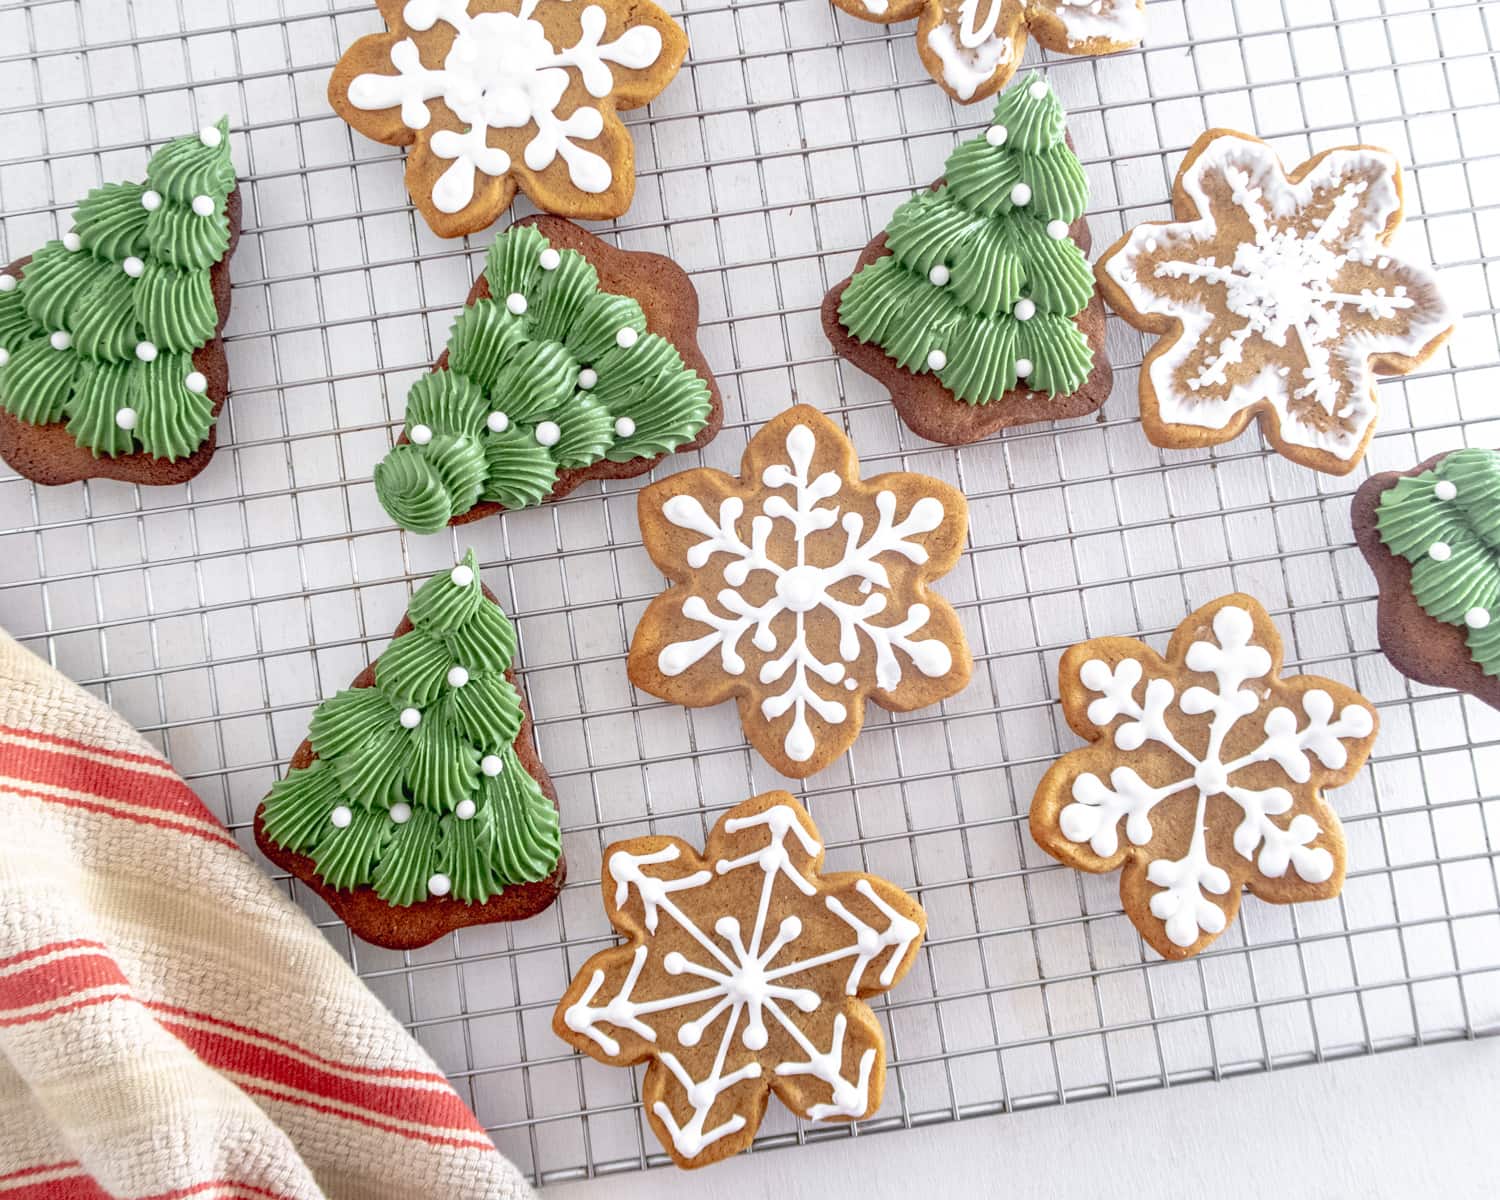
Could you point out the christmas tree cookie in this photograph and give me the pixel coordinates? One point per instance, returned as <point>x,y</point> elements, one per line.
<point>976,306</point>
<point>111,363</point>
<point>417,804</point>
<point>572,361</point>
<point>1432,537</point>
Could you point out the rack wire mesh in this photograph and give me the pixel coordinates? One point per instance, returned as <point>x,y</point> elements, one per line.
<point>217,615</point>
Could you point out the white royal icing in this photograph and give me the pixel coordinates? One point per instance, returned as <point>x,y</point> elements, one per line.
<point>744,976</point>
<point>1279,287</point>
<point>800,587</point>
<point>1088,20</point>
<point>502,72</point>
<point>1098,807</point>
<point>967,48</point>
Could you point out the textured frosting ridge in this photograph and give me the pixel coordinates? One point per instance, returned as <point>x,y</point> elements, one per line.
<point>983,281</point>
<point>546,374</point>
<point>417,790</point>
<point>100,329</point>
<point>1446,523</point>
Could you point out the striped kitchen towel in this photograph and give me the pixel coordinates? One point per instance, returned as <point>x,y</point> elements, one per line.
<point>171,1025</point>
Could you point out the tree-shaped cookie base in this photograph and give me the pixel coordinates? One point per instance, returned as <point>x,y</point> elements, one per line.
<point>417,804</point>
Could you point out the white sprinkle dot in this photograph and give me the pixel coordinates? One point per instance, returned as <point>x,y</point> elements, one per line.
<point>587,378</point>
<point>4,356</point>
<point>548,433</point>
<point>1440,552</point>
<point>411,718</point>
<point>439,884</point>
<point>461,575</point>
<point>145,351</point>
<point>8,283</point>
<point>464,810</point>
<point>938,276</point>
<point>996,135</point>
<point>72,243</point>
<point>491,765</point>
<point>61,340</point>
<point>624,428</point>
<point>1446,489</point>
<point>401,812</point>
<point>196,381</point>
<point>1477,618</point>
<point>210,136</point>
<point>1023,368</point>
<point>1025,309</point>
<point>420,435</point>
<point>125,418</point>
<point>341,816</point>
<point>150,201</point>
<point>626,338</point>
<point>516,303</point>
<point>1020,195</point>
<point>1057,230</point>
<point>498,422</point>
<point>936,360</point>
<point>457,677</point>
<point>550,259</point>
<point>1038,90</point>
<point>133,267</point>
<point>204,206</point>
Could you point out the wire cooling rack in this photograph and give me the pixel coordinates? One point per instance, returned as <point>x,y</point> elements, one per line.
<point>217,615</point>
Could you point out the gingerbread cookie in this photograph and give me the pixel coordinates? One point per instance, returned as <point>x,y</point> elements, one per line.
<point>973,47</point>
<point>976,306</point>
<point>111,363</point>
<point>745,971</point>
<point>572,361</point>
<point>800,591</point>
<point>1276,296</point>
<point>498,94</point>
<point>1432,537</point>
<point>1205,775</point>
<point>418,804</point>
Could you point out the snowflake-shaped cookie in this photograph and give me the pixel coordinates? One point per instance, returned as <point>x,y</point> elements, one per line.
<point>801,591</point>
<point>1277,296</point>
<point>501,93</point>
<point>973,47</point>
<point>1205,776</point>
<point>746,971</point>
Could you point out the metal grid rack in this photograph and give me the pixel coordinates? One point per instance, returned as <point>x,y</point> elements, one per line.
<point>215,616</point>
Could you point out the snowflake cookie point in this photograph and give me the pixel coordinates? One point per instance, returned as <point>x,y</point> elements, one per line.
<point>1212,783</point>
<point>793,581</point>
<point>745,970</point>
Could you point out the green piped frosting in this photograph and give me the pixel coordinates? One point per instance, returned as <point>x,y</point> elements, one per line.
<point>512,410</point>
<point>101,327</point>
<point>1446,523</point>
<point>473,817</point>
<point>992,254</point>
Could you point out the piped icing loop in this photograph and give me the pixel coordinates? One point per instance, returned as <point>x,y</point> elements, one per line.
<point>1446,523</point>
<point>573,378</point>
<point>1010,289</point>
<point>122,302</point>
<point>417,790</point>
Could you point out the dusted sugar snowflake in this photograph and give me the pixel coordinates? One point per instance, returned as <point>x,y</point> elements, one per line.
<point>746,971</point>
<point>497,93</point>
<point>1213,764</point>
<point>801,591</point>
<point>1277,297</point>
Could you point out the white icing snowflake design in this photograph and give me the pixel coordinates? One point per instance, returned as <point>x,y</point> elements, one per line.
<point>502,72</point>
<point>1285,290</point>
<point>1215,729</point>
<point>731,990</point>
<point>808,583</point>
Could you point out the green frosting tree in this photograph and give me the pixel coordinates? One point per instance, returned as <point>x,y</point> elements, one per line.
<point>547,373</point>
<point>1446,523</point>
<point>417,789</point>
<point>983,281</point>
<point>101,327</point>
